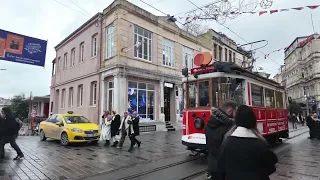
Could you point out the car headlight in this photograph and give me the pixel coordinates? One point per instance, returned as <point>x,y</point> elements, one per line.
<point>76,130</point>
<point>199,123</point>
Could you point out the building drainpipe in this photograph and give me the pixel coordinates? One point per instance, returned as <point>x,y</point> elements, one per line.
<point>99,67</point>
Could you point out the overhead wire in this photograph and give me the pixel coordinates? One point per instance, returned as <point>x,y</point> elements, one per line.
<point>80,7</point>
<point>72,8</point>
<point>235,33</point>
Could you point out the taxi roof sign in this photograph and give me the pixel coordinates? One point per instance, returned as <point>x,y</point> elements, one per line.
<point>70,112</point>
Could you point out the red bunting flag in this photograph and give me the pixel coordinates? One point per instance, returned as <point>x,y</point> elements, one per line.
<point>273,11</point>
<point>298,8</point>
<point>313,7</point>
<point>262,12</point>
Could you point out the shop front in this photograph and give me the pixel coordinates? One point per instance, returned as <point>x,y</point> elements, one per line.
<point>145,93</point>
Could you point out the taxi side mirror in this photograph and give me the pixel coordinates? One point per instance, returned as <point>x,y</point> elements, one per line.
<point>58,123</point>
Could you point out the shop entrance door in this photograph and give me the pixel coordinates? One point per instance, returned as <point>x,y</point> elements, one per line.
<point>167,103</point>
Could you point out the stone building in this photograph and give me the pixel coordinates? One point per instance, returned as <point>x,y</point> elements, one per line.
<point>302,71</point>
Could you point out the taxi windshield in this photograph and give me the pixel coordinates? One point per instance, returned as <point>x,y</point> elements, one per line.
<point>76,119</point>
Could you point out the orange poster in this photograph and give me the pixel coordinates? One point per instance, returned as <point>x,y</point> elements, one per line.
<point>2,47</point>
<point>14,44</point>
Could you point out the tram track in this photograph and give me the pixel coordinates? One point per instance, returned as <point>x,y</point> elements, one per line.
<point>183,167</point>
<point>196,169</point>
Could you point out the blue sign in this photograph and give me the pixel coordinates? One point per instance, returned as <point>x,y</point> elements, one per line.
<point>22,49</point>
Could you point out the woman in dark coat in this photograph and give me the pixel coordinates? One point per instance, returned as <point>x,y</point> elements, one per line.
<point>115,125</point>
<point>10,133</point>
<point>245,154</point>
<point>136,131</point>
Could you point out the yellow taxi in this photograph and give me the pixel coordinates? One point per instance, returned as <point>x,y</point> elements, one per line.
<point>69,128</point>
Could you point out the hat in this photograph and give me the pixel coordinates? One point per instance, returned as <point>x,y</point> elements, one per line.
<point>245,117</point>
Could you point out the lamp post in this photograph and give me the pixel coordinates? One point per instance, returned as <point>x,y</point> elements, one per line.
<point>307,102</point>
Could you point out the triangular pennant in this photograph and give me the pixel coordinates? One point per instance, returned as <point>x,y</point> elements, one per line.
<point>273,11</point>
<point>298,8</point>
<point>262,12</point>
<point>313,7</point>
<point>195,18</point>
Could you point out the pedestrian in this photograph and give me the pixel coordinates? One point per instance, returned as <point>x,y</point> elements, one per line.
<point>218,125</point>
<point>136,131</point>
<point>124,127</point>
<point>294,121</point>
<point>115,125</point>
<point>10,133</point>
<point>245,154</point>
<point>311,125</point>
<point>106,128</point>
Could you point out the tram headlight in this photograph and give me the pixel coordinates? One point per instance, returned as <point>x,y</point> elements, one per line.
<point>199,123</point>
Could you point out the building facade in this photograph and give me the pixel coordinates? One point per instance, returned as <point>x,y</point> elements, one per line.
<point>142,59</point>
<point>302,71</point>
<point>75,79</point>
<point>40,104</point>
<point>225,49</point>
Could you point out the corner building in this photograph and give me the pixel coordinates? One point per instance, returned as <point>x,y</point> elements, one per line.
<point>142,58</point>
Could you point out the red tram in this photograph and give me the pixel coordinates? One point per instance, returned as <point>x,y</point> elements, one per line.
<point>211,85</point>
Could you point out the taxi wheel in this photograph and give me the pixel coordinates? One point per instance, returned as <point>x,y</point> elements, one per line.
<point>64,140</point>
<point>42,135</point>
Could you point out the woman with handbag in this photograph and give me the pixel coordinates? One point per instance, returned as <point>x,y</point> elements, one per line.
<point>245,154</point>
<point>106,128</point>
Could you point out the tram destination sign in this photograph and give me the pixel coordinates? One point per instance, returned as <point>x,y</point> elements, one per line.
<point>202,70</point>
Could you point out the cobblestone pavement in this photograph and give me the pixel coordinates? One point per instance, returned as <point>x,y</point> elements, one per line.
<point>302,162</point>
<point>50,160</point>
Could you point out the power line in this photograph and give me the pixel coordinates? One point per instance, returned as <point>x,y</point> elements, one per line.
<point>233,32</point>
<point>80,7</point>
<point>72,8</point>
<point>217,1</point>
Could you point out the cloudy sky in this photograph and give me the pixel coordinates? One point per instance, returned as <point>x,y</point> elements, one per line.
<point>53,20</point>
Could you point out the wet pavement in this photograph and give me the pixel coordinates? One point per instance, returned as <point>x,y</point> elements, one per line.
<point>50,160</point>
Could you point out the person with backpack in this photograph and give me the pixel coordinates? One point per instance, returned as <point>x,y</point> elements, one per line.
<point>10,133</point>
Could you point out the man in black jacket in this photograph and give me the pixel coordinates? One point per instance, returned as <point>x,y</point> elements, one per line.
<point>220,121</point>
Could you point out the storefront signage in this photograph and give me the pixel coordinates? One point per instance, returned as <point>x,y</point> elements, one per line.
<point>202,70</point>
<point>169,85</point>
<point>202,59</point>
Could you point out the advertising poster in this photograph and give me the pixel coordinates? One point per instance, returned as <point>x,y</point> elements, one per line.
<point>22,49</point>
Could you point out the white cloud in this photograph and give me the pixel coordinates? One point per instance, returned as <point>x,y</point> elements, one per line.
<point>52,21</point>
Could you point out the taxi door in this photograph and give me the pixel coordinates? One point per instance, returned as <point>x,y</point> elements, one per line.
<point>47,126</point>
<point>57,130</point>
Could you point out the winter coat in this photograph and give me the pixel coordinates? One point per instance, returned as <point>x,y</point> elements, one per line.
<point>135,125</point>
<point>1,126</point>
<point>115,125</point>
<point>126,121</point>
<point>106,129</point>
<point>218,125</point>
<point>10,127</point>
<point>310,121</point>
<point>244,156</point>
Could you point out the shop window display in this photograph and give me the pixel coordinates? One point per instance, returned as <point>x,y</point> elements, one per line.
<point>141,99</point>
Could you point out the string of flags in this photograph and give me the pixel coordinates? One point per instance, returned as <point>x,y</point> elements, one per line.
<point>282,10</point>
<point>300,44</point>
<point>259,12</point>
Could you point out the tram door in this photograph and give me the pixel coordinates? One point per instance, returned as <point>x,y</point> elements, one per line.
<point>167,103</point>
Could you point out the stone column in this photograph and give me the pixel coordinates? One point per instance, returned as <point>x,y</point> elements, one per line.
<point>180,98</point>
<point>123,90</point>
<point>116,93</point>
<point>161,96</point>
<point>103,98</point>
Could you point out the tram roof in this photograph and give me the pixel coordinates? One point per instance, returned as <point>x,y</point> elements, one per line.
<point>235,69</point>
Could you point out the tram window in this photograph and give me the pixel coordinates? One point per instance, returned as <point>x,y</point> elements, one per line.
<point>215,92</point>
<point>193,95</point>
<point>269,98</point>
<point>257,95</point>
<point>231,90</point>
<point>279,99</point>
<point>204,93</point>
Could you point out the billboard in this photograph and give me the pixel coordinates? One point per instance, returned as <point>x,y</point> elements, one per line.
<point>22,49</point>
